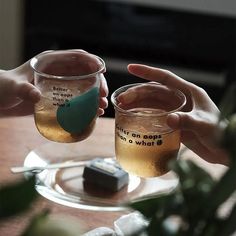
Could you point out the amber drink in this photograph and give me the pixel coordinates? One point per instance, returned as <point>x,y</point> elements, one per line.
<point>144,144</point>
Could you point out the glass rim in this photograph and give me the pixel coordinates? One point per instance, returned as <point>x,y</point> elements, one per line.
<point>35,59</point>
<point>131,113</point>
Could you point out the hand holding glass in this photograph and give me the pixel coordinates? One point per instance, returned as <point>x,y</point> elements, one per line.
<point>144,144</point>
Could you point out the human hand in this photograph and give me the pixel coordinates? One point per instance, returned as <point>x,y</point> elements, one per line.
<point>17,93</point>
<point>199,121</point>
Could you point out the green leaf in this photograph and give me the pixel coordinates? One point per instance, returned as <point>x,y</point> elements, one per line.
<point>149,206</point>
<point>154,227</point>
<point>228,104</point>
<point>159,206</point>
<point>212,227</point>
<point>17,197</point>
<point>220,193</point>
<point>195,184</point>
<point>229,137</point>
<point>193,179</point>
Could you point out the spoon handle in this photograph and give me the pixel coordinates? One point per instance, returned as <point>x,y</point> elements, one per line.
<point>21,169</point>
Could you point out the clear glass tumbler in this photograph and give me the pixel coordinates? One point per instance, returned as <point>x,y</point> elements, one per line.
<point>144,144</point>
<point>69,81</point>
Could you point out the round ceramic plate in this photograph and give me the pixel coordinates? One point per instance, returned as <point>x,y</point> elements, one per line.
<point>67,187</point>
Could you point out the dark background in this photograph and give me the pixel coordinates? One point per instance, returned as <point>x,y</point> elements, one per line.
<point>123,33</point>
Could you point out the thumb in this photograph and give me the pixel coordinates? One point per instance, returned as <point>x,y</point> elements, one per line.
<point>27,92</point>
<point>188,121</point>
<point>200,125</point>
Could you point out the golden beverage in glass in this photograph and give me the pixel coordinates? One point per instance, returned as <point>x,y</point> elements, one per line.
<point>46,123</point>
<point>144,144</point>
<point>69,81</point>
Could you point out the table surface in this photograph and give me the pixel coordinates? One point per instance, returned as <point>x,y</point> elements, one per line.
<point>18,136</point>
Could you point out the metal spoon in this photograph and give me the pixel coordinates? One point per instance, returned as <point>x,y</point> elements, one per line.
<point>36,169</point>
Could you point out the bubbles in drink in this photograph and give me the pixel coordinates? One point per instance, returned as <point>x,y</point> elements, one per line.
<point>145,145</point>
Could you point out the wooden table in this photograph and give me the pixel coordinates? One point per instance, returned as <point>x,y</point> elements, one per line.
<point>18,136</point>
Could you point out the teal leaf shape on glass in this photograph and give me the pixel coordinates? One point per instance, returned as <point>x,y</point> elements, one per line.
<point>76,114</point>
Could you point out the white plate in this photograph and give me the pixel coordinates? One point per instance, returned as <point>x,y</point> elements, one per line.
<point>66,186</point>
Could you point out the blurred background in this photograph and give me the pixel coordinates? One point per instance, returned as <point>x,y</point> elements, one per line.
<point>194,39</point>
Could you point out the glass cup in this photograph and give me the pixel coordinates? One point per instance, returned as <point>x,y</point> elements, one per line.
<point>69,81</point>
<point>144,143</point>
